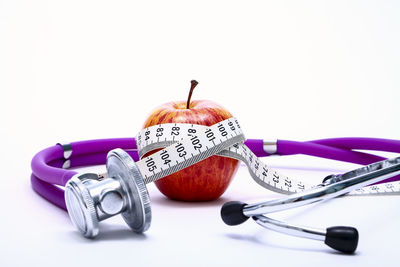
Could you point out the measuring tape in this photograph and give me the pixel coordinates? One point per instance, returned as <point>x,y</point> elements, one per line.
<point>184,144</point>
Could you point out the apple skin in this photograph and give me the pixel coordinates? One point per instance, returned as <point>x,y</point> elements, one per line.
<point>206,180</point>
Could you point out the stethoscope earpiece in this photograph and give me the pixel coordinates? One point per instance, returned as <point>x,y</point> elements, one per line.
<point>232,213</point>
<point>91,198</point>
<point>342,238</point>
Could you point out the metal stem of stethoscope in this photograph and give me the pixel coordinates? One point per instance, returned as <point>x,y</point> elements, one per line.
<point>344,239</point>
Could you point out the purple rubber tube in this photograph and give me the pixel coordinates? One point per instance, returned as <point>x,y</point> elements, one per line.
<point>285,147</point>
<point>257,146</point>
<point>48,191</point>
<point>101,145</point>
<point>89,159</point>
<point>46,165</point>
<point>363,143</point>
<point>53,175</point>
<point>98,150</point>
<point>58,176</point>
<point>336,150</point>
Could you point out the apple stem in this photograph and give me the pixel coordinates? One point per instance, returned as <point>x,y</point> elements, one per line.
<point>194,83</point>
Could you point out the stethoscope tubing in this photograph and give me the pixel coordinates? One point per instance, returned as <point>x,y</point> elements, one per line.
<point>47,164</point>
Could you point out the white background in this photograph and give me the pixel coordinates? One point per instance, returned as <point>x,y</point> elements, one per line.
<point>75,70</point>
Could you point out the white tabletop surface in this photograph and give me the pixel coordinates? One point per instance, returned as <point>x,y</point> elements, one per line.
<point>301,70</point>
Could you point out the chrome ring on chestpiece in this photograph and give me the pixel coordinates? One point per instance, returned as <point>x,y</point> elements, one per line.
<point>90,198</point>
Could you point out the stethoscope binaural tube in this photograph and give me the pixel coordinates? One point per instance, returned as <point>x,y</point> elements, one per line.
<point>342,238</point>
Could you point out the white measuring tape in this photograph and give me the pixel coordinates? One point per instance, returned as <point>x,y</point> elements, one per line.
<point>185,144</point>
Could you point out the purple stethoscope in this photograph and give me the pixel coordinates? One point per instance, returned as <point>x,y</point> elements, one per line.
<point>91,198</point>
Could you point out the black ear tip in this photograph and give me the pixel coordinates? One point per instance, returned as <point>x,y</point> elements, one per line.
<point>342,238</point>
<point>232,213</point>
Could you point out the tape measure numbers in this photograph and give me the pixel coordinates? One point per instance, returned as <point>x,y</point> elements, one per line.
<point>186,144</point>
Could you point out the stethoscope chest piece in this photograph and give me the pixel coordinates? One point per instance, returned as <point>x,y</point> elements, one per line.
<point>91,198</point>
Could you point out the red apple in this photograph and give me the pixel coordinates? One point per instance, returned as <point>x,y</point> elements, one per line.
<point>208,179</point>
